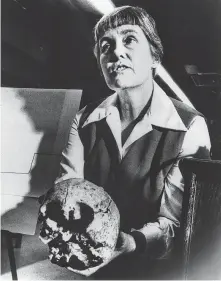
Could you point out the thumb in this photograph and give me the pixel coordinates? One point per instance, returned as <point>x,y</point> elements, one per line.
<point>62,178</point>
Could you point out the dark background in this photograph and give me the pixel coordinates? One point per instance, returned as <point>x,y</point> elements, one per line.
<point>48,44</point>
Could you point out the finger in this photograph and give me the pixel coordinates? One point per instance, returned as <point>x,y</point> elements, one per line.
<point>119,240</point>
<point>65,177</point>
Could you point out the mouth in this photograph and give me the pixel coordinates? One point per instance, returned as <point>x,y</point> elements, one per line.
<point>119,68</point>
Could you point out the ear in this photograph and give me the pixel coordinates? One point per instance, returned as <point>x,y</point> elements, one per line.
<point>155,63</point>
<point>154,67</point>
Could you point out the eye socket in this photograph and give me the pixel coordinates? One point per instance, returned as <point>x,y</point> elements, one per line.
<point>130,39</point>
<point>105,47</point>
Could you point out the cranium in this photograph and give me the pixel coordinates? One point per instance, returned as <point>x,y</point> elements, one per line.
<point>80,224</point>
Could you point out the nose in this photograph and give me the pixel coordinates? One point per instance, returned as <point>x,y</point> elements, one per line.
<point>119,51</point>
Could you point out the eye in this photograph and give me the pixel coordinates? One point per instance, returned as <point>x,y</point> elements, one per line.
<point>130,39</point>
<point>105,47</point>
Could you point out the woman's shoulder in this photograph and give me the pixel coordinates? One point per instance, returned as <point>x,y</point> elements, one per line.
<point>87,110</point>
<point>186,113</point>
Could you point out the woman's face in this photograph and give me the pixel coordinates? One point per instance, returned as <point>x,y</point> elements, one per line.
<point>125,57</point>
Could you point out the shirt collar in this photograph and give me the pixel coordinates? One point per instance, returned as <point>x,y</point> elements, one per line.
<point>162,112</point>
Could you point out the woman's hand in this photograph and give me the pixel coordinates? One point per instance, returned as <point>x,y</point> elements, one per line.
<point>125,245</point>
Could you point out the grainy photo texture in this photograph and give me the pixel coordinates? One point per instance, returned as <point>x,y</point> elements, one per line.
<point>111,140</point>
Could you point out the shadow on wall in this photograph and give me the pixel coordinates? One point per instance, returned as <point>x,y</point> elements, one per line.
<point>35,129</point>
<point>44,110</point>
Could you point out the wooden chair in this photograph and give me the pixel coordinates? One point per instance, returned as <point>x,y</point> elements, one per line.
<point>201,220</point>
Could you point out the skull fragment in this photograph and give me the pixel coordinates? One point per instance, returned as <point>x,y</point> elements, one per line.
<point>80,223</point>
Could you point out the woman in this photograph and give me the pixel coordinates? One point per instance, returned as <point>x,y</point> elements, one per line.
<point>131,142</point>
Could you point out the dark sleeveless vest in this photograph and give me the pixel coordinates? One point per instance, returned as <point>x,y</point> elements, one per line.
<point>136,182</point>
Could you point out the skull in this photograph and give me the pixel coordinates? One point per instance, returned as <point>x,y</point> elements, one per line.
<point>80,224</point>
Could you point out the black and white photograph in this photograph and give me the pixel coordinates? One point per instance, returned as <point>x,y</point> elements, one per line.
<point>110,140</point>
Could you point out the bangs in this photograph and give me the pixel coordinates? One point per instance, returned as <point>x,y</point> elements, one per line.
<point>121,16</point>
<point>133,16</point>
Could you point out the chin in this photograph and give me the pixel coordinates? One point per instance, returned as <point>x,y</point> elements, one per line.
<point>121,84</point>
<point>126,82</point>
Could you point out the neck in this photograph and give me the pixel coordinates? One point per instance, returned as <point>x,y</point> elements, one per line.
<point>133,100</point>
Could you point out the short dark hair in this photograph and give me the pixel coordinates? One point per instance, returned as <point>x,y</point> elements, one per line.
<point>134,16</point>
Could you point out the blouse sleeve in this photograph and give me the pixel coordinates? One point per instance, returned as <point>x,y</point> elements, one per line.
<point>156,239</point>
<point>72,162</point>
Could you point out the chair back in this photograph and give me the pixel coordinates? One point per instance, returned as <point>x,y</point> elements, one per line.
<point>201,219</point>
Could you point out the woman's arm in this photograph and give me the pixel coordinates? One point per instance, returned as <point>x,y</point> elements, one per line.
<point>72,162</point>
